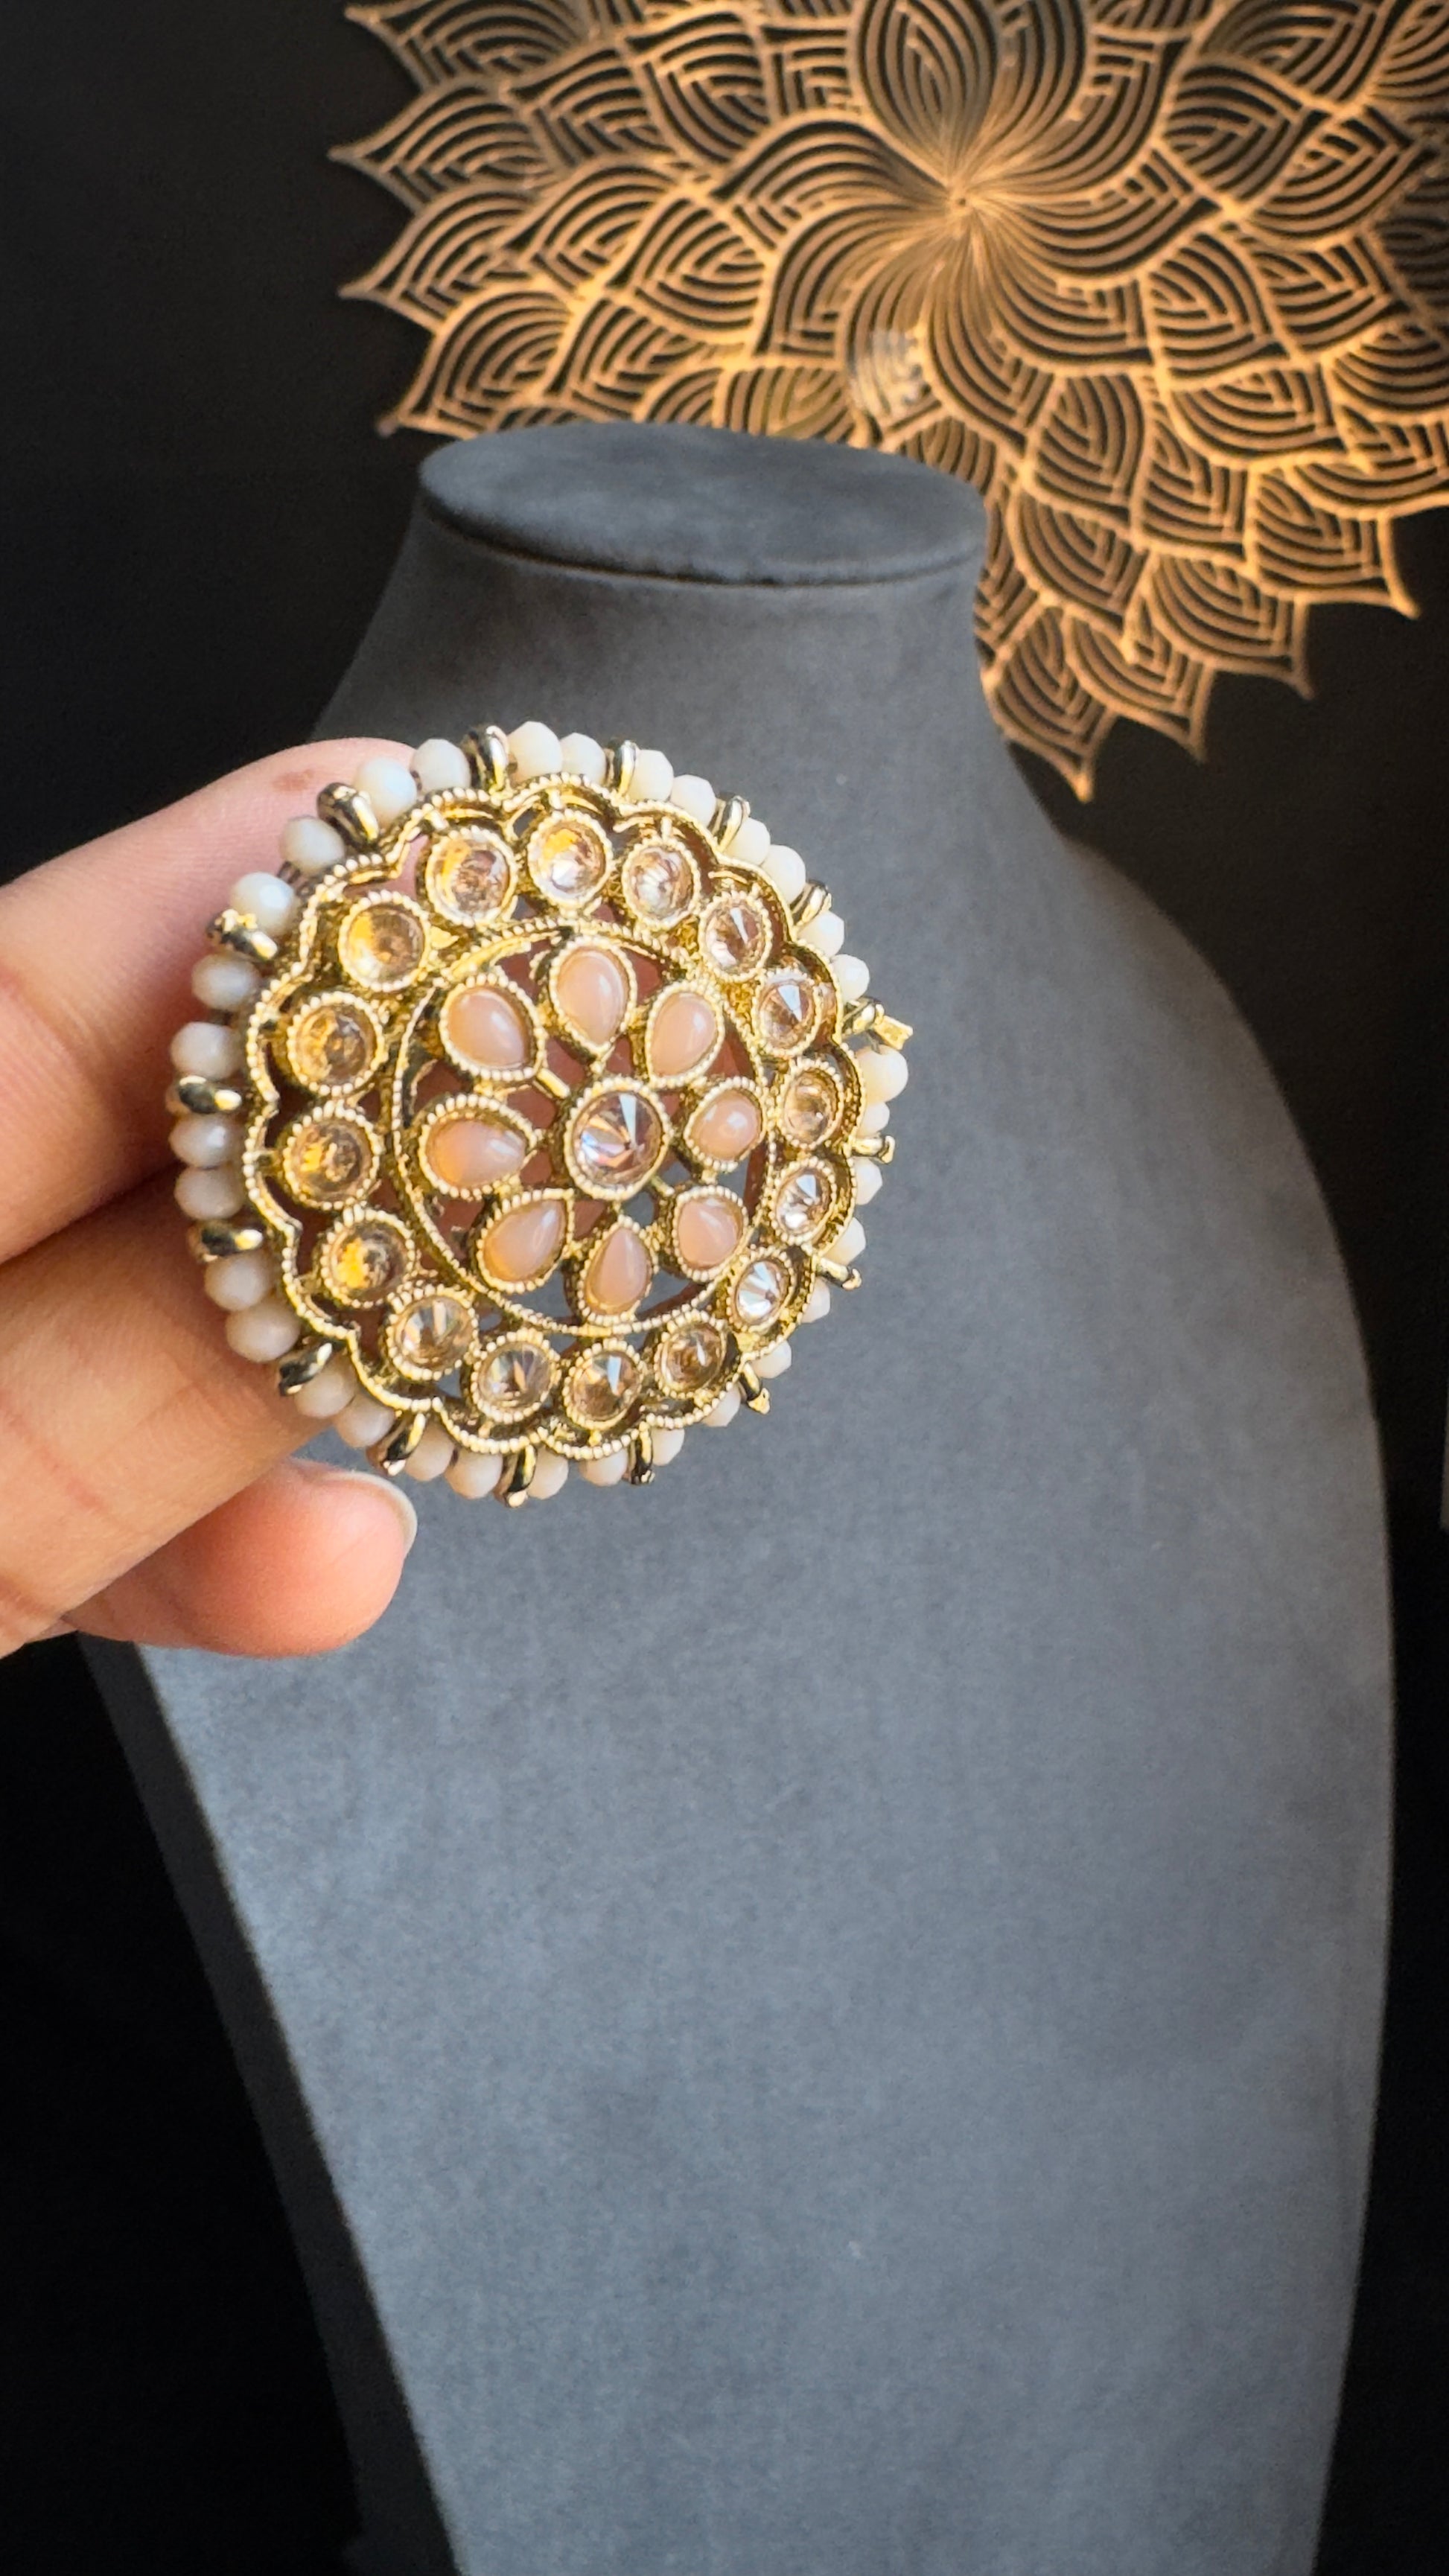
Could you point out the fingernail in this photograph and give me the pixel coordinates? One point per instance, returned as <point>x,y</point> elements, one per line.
<point>381,1485</point>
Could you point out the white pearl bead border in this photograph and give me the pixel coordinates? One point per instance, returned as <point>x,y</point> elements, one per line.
<point>260,1325</point>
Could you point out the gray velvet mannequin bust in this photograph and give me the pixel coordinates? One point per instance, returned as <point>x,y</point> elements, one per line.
<point>819,2019</point>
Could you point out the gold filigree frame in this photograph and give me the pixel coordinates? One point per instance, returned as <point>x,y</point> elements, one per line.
<point>419,1082</point>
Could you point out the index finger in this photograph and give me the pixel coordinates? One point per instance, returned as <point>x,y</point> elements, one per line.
<point>96,952</point>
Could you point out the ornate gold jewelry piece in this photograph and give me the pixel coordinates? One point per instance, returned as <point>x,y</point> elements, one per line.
<point>538,1113</point>
<point>1165,279</point>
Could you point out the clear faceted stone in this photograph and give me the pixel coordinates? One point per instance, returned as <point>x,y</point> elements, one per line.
<point>331,1045</point>
<point>383,944</point>
<point>568,859</point>
<point>366,1261</point>
<point>803,1203</point>
<point>786,1009</point>
<point>469,874</point>
<point>760,1291</point>
<point>692,1357</point>
<point>602,1386</point>
<point>659,883</point>
<point>327,1161</point>
<point>616,1141</point>
<point>513,1379</point>
<point>735,935</point>
<point>431,1335</point>
<point>810,1106</point>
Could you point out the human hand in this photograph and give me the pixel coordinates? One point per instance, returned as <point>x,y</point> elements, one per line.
<point>147,1490</point>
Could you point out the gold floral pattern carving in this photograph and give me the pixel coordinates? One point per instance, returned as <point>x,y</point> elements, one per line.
<point>1168,280</point>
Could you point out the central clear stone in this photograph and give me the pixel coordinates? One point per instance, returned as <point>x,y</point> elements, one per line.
<point>616,1141</point>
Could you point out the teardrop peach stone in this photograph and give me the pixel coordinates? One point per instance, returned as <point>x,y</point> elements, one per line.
<point>592,991</point>
<point>707,1230</point>
<point>727,1127</point>
<point>683,1034</point>
<point>618,1272</point>
<point>487,1029</point>
<point>524,1243</point>
<point>469,1154</point>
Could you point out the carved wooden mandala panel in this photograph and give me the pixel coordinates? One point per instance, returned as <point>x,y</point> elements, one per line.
<point>1168,280</point>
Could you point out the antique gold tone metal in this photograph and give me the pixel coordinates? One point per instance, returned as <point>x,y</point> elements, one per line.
<point>350,813</point>
<point>543,1188</point>
<point>219,1242</point>
<point>486,749</point>
<point>1166,279</point>
<point>243,937</point>
<point>301,1367</point>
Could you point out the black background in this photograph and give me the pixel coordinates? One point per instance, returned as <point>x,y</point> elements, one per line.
<point>198,515</point>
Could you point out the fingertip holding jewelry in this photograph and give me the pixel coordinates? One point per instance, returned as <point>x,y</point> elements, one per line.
<point>535,1111</point>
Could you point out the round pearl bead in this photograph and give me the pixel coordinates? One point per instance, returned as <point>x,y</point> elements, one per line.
<point>242,1279</point>
<point>849,1244</point>
<point>224,983</point>
<point>653,777</point>
<point>724,1412</point>
<point>666,1446</point>
<point>205,1047</point>
<point>534,753</point>
<point>582,757</point>
<point>472,1476</point>
<point>817,1304</point>
<point>205,1141</point>
<point>883,1072</point>
<point>208,1196</point>
<point>390,787</point>
<point>693,796</point>
<point>605,1471</point>
<point>852,975</point>
<point>433,1455</point>
<point>874,1118</point>
<point>785,869</point>
<point>774,1363</point>
<point>328,1394</point>
<point>867,1178</point>
<point>439,765</point>
<point>825,934</point>
<point>549,1476</point>
<point>270,902</point>
<point>311,846</point>
<point>264,1332</point>
<point>363,1421</point>
<point>750,843</point>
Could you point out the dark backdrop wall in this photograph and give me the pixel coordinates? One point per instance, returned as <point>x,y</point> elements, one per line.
<point>198,516</point>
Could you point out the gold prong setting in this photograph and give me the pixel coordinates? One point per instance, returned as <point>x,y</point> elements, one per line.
<point>534,1114</point>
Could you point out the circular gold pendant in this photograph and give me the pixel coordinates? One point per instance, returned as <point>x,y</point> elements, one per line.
<point>541,1116</point>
